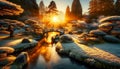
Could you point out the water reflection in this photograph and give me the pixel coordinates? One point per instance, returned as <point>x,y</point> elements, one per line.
<point>49,36</point>
<point>48,52</point>
<point>46,57</point>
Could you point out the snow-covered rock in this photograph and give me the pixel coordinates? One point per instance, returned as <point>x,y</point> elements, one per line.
<point>111,39</point>
<point>92,39</point>
<point>25,46</point>
<point>66,39</point>
<point>4,57</point>
<point>21,60</point>
<point>90,56</point>
<point>98,33</point>
<point>6,50</point>
<point>6,60</point>
<point>115,32</point>
<point>25,40</point>
<point>106,26</point>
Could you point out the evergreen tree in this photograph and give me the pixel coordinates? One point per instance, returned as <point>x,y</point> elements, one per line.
<point>117,7</point>
<point>101,7</point>
<point>76,9</point>
<point>93,9</point>
<point>41,8</point>
<point>52,6</point>
<point>67,14</point>
<point>106,7</point>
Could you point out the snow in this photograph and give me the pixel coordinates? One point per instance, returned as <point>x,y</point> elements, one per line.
<point>90,55</point>
<point>24,46</point>
<point>112,48</point>
<point>99,53</point>
<point>7,49</point>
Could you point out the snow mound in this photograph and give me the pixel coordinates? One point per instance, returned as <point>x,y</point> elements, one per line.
<point>7,49</point>
<point>91,56</point>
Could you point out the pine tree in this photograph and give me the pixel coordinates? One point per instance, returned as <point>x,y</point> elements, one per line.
<point>93,9</point>
<point>67,14</point>
<point>76,9</point>
<point>52,6</point>
<point>117,7</point>
<point>107,7</point>
<point>41,8</point>
<point>101,7</point>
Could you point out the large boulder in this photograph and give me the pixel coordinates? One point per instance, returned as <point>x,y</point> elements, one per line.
<point>4,57</point>
<point>107,26</point>
<point>14,23</point>
<point>21,60</point>
<point>111,39</point>
<point>25,40</point>
<point>66,39</point>
<point>97,33</point>
<point>6,60</point>
<point>6,50</point>
<point>92,39</point>
<point>25,46</point>
<point>115,31</point>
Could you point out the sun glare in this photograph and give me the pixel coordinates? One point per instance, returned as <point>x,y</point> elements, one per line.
<point>55,19</point>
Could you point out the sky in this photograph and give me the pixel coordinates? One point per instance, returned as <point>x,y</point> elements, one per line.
<point>62,4</point>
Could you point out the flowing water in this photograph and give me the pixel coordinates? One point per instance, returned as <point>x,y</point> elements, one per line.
<point>48,58</point>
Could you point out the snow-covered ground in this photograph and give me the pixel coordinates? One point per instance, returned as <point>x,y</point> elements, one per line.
<point>94,56</point>
<point>109,47</point>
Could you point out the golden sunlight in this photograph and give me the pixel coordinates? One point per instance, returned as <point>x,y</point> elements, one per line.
<point>55,19</point>
<point>50,35</point>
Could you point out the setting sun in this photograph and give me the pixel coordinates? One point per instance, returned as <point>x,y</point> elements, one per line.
<point>55,19</point>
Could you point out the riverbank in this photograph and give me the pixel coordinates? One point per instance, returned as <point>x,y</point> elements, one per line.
<point>92,56</point>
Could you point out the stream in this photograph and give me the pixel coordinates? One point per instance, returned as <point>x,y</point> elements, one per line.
<point>48,58</point>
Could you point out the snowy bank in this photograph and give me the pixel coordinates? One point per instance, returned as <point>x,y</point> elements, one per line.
<point>19,63</point>
<point>92,56</point>
<point>25,46</point>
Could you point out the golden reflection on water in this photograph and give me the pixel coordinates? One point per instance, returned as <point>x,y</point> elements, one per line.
<point>47,51</point>
<point>50,35</point>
